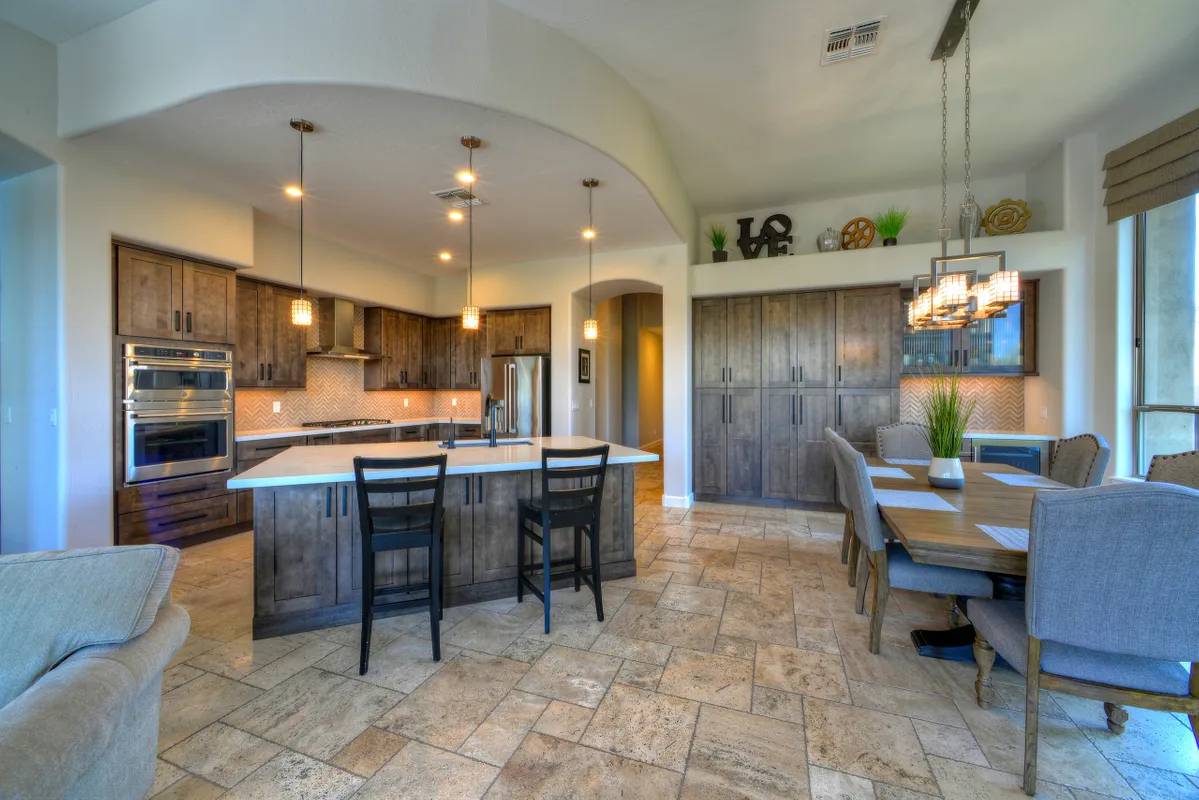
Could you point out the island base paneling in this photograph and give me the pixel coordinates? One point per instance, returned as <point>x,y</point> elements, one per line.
<point>307,547</point>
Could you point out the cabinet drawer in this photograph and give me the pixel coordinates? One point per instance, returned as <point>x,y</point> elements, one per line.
<point>362,437</point>
<point>265,448</point>
<point>411,433</point>
<point>168,492</point>
<point>472,431</point>
<point>177,521</point>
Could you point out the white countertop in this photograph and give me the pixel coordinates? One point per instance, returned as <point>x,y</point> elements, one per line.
<point>1018,436</point>
<point>334,463</point>
<point>297,430</point>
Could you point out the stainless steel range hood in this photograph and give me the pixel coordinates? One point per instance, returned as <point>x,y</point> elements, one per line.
<point>335,329</point>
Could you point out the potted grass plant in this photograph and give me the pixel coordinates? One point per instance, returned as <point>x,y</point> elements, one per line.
<point>718,236</point>
<point>889,224</point>
<point>946,414</point>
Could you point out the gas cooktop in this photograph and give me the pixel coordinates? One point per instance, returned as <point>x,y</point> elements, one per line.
<point>345,423</point>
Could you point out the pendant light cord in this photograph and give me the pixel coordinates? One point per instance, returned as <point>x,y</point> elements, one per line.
<point>470,228</point>
<point>591,227</point>
<point>301,130</point>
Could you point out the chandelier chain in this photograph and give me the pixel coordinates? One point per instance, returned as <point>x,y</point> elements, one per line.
<point>944,230</point>
<point>966,14</point>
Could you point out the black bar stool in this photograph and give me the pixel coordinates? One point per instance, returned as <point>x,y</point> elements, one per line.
<point>571,489</point>
<point>416,523</point>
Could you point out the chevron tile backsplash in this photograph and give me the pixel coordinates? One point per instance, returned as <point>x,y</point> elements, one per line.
<point>999,401</point>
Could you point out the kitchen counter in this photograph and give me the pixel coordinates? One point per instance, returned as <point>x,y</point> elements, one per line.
<point>297,466</point>
<point>307,531</point>
<point>298,430</point>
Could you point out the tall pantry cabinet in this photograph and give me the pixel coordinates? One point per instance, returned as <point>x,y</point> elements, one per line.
<point>771,372</point>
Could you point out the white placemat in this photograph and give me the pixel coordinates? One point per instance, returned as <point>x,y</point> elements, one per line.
<point>887,472</point>
<point>1024,479</point>
<point>1008,538</point>
<point>914,462</point>
<point>905,499</point>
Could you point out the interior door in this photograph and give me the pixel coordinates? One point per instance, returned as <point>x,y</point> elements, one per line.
<point>816,345</point>
<point>780,357</point>
<point>780,432</point>
<point>710,323</point>
<point>745,442</point>
<point>149,294</point>
<point>710,445</point>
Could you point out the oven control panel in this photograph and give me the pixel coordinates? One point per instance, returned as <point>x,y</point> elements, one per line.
<point>154,351</point>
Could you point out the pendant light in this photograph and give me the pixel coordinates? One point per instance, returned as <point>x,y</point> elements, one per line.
<point>470,311</point>
<point>955,298</point>
<point>590,325</point>
<point>301,307</point>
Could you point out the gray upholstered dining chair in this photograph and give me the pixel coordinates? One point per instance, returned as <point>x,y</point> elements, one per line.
<point>1080,460</point>
<point>903,440</point>
<point>1109,622</point>
<point>888,563</point>
<point>848,542</point>
<point>1179,468</point>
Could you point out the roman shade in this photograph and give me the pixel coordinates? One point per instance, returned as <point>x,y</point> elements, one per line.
<point>1158,168</point>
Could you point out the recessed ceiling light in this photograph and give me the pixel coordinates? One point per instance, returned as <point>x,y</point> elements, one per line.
<point>456,216</point>
<point>291,190</point>
<point>589,233</point>
<point>445,255</point>
<point>464,176</point>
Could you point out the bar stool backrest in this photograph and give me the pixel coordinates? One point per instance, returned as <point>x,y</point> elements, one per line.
<point>572,479</point>
<point>417,483</point>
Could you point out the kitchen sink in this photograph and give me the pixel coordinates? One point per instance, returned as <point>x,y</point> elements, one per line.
<point>484,443</point>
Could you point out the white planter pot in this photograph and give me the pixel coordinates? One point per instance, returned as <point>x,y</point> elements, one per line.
<point>946,473</point>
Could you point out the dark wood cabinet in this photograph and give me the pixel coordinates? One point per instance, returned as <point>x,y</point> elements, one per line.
<point>466,353</point>
<point>780,340</point>
<point>520,331</point>
<point>165,297</point>
<point>745,443</point>
<point>728,342</point>
<point>297,526</point>
<point>780,442</point>
<point>860,411</point>
<point>174,509</point>
<point>271,351</point>
<point>814,458</point>
<point>816,345</point>
<point>868,337</point>
<point>1005,345</point>
<point>399,339</point>
<point>439,350</point>
<point>710,337</point>
<point>493,500</point>
<point>534,331</point>
<point>710,441</point>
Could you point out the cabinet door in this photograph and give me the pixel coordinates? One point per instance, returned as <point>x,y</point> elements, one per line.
<point>929,350</point>
<point>868,337</point>
<point>458,543</point>
<point>780,425</point>
<point>413,338</point>
<point>494,516</point>
<point>709,325</point>
<point>616,517</point>
<point>534,330</point>
<point>438,353</point>
<point>780,358</point>
<point>745,342</point>
<point>246,361</point>
<point>149,294</point>
<point>287,367</point>
<point>465,356</point>
<point>391,567</point>
<point>745,443</point>
<point>209,303</point>
<point>295,526</point>
<point>860,411</point>
<point>816,329</point>
<point>710,441</point>
<point>502,330</point>
<point>814,459</point>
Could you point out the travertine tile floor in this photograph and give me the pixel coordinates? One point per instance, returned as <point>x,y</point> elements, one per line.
<point>732,665</point>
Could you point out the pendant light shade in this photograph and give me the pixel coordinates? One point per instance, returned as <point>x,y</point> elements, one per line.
<point>301,307</point>
<point>591,324</point>
<point>470,311</point>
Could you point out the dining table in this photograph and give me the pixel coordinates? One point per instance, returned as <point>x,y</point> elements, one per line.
<point>983,526</point>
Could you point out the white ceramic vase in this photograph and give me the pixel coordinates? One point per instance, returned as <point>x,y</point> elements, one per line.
<point>946,473</point>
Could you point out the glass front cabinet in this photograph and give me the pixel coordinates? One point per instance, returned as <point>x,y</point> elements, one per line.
<point>1005,345</point>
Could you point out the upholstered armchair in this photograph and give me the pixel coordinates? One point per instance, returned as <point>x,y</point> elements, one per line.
<point>903,440</point>
<point>1112,606</point>
<point>1179,468</point>
<point>1080,460</point>
<point>888,564</point>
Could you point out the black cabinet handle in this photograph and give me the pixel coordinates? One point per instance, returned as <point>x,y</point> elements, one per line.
<point>467,482</point>
<point>838,373</point>
<point>792,409</point>
<point>801,409</point>
<point>801,373</point>
<point>480,488</point>
<point>345,499</point>
<point>838,411</point>
<point>328,501</point>
<point>162,523</point>
<point>723,400</point>
<point>261,371</point>
<point>176,319</point>
<point>188,317</point>
<point>965,358</point>
<point>793,374</point>
<point>730,381</point>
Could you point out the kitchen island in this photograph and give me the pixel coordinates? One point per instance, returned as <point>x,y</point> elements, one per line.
<point>307,537</point>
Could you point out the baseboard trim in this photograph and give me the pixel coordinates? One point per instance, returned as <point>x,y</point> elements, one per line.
<point>678,501</point>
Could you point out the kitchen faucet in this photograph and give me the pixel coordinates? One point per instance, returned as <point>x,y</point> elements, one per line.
<point>492,405</point>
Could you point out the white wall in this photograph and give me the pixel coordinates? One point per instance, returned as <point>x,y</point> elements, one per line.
<point>29,375</point>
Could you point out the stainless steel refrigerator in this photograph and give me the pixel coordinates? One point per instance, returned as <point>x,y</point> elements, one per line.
<point>521,387</point>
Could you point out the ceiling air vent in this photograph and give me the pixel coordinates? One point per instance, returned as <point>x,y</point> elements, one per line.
<point>842,44</point>
<point>459,197</point>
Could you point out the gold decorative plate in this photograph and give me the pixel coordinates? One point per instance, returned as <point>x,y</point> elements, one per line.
<point>1006,216</point>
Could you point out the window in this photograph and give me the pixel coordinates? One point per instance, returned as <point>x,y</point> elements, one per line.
<point>1167,330</point>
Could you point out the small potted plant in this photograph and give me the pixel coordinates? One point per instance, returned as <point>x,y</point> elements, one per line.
<point>889,224</point>
<point>718,236</point>
<point>946,414</point>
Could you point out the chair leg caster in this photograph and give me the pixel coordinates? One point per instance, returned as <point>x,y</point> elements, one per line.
<point>1116,717</point>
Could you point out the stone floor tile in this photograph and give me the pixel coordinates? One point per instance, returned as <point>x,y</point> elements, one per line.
<point>869,744</point>
<point>960,781</point>
<point>575,676</point>
<point>1158,784</point>
<point>486,631</point>
<point>641,597</point>
<point>221,754</point>
<point>190,787</point>
<point>708,678</point>
<point>196,704</point>
<point>526,650</point>
<point>949,742</point>
<point>447,707</point>
<point>402,664</point>
<point>770,550</point>
<point>635,649</point>
<point>176,676</point>
<point>778,704</point>
<point>165,774</point>
<point>369,751</point>
<point>665,625</point>
<point>1151,738</point>
<point>429,773</point>
<point>746,531</point>
<point>764,618</point>
<point>639,674</point>
<point>714,541</point>
<point>742,755</point>
<point>816,633</point>
<point>695,599</point>
<point>564,720</point>
<point>828,784</point>
<point>745,579</point>
<point>314,712</point>
<point>645,726</point>
<point>192,647</point>
<point>497,738</point>
<point>917,705</point>
<point>281,669</point>
<point>240,657</point>
<point>735,646</point>
<point>803,672</point>
<point>766,513</point>
<point>293,776</point>
<point>552,768</point>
